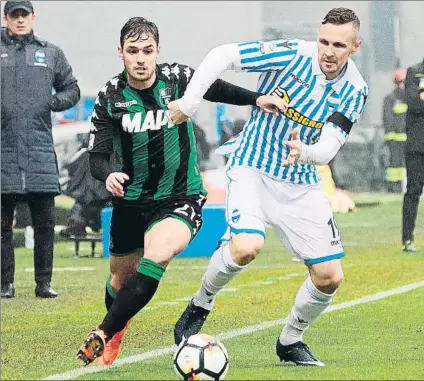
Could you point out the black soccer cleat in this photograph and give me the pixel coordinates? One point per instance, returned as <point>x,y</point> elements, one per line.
<point>298,352</point>
<point>190,322</point>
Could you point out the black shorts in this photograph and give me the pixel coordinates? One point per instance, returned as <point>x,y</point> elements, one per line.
<point>129,224</point>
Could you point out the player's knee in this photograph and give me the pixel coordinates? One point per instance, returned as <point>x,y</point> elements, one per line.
<point>162,254</point>
<point>116,282</point>
<point>119,277</point>
<point>246,247</point>
<point>329,282</point>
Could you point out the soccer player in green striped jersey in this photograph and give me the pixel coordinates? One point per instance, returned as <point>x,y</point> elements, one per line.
<point>158,191</point>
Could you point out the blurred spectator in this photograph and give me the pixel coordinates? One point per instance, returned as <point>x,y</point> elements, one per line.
<point>203,147</point>
<point>394,117</point>
<point>31,69</point>
<point>340,201</point>
<point>230,131</point>
<point>414,87</point>
<point>90,194</point>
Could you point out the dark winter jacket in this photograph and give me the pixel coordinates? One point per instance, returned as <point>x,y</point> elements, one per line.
<point>414,85</point>
<point>30,69</point>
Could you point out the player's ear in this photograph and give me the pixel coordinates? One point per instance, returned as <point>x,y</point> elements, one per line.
<point>158,49</point>
<point>356,46</point>
<point>120,53</point>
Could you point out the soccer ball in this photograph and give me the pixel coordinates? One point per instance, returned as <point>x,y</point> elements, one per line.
<point>201,357</point>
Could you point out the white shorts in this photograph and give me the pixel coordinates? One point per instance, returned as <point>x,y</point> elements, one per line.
<point>300,214</point>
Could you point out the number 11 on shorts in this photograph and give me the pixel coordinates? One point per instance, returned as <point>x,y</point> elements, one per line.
<point>334,228</point>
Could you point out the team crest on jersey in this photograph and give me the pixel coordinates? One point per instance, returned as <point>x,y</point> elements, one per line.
<point>165,95</point>
<point>235,216</point>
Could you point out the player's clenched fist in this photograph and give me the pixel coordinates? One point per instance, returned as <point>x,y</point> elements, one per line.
<point>114,183</point>
<point>175,114</point>
<point>272,104</point>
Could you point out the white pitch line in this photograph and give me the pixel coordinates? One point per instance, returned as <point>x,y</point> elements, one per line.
<point>73,374</point>
<point>61,269</point>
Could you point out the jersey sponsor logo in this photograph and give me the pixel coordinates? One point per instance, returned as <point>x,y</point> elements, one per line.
<point>301,81</point>
<point>151,121</point>
<point>126,104</point>
<point>294,115</point>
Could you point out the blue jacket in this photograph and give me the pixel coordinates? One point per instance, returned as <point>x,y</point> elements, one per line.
<point>30,69</point>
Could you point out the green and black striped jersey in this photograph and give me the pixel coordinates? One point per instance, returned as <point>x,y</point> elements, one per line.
<point>159,157</point>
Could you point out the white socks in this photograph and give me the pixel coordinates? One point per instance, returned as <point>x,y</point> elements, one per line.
<point>220,271</point>
<point>309,304</point>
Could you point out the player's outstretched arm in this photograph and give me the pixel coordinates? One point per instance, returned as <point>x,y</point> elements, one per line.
<point>216,62</point>
<point>268,103</point>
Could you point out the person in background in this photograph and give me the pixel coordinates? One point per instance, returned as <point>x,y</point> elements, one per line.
<point>414,88</point>
<point>394,119</point>
<point>89,194</point>
<point>30,69</point>
<point>202,145</point>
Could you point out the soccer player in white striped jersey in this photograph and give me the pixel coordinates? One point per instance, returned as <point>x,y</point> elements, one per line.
<point>271,172</point>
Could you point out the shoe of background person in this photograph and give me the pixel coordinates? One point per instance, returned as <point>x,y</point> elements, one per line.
<point>93,346</point>
<point>298,352</point>
<point>190,322</point>
<point>112,348</point>
<point>43,290</point>
<point>7,290</point>
<point>409,247</point>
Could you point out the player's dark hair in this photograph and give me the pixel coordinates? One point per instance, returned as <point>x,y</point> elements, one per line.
<point>136,27</point>
<point>340,16</point>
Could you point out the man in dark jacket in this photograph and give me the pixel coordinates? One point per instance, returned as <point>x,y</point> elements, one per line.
<point>414,87</point>
<point>394,119</point>
<point>30,69</point>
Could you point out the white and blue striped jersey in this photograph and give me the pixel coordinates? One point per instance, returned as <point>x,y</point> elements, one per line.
<point>290,69</point>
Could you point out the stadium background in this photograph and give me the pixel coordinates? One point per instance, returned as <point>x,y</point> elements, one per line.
<point>88,32</point>
<point>375,330</point>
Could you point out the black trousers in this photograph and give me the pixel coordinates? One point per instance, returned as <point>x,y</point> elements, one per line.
<point>41,206</point>
<point>414,189</point>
